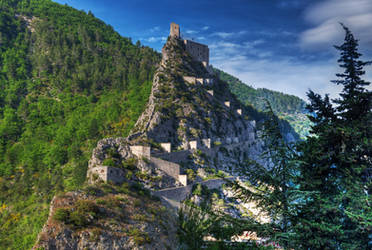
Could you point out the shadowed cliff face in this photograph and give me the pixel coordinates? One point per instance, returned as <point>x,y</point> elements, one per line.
<point>180,110</point>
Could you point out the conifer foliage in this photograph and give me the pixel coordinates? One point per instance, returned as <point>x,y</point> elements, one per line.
<point>336,162</point>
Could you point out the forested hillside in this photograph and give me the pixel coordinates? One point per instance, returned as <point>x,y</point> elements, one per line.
<point>288,107</point>
<point>66,80</point>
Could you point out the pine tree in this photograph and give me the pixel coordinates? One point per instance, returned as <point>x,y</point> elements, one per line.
<point>337,214</point>
<point>271,187</point>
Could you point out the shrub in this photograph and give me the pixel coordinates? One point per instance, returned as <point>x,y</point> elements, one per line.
<point>190,174</point>
<point>124,188</point>
<point>78,219</point>
<point>62,215</point>
<point>140,238</point>
<point>130,163</point>
<point>145,160</point>
<point>92,190</point>
<point>83,211</point>
<point>109,162</point>
<point>137,203</point>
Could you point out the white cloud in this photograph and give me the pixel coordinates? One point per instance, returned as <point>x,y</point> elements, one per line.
<point>155,29</point>
<point>205,28</point>
<point>191,32</point>
<point>260,68</point>
<point>225,35</point>
<point>326,15</point>
<point>155,39</point>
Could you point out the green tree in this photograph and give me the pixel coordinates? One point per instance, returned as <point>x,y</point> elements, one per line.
<point>336,160</point>
<point>270,186</point>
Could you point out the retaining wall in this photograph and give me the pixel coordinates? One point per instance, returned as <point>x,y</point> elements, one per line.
<point>170,168</point>
<point>173,196</point>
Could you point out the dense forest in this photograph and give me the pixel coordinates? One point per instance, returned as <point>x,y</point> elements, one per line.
<point>66,80</point>
<point>287,107</point>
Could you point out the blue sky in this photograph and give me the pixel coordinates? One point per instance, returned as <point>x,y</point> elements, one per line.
<point>284,45</point>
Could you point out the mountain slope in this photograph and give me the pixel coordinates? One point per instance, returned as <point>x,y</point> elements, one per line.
<point>67,80</point>
<point>288,107</point>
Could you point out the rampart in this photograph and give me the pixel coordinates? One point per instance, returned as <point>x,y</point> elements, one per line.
<point>198,51</point>
<point>177,156</point>
<point>170,168</point>
<point>173,196</point>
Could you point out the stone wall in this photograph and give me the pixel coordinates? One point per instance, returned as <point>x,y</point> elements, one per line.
<point>106,174</point>
<point>193,144</point>
<point>190,79</point>
<point>170,168</point>
<point>198,51</point>
<point>166,146</point>
<point>177,156</point>
<point>173,196</point>
<point>140,151</point>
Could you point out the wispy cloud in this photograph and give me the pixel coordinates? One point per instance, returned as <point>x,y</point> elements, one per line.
<point>205,28</point>
<point>154,39</point>
<point>155,29</point>
<point>325,17</point>
<point>225,35</point>
<point>190,32</point>
<point>262,68</point>
<point>290,3</point>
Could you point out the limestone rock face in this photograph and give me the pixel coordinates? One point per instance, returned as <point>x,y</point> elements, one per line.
<point>181,109</point>
<point>121,227</point>
<point>100,153</point>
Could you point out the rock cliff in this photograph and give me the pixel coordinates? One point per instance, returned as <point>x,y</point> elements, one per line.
<point>108,217</point>
<point>208,133</point>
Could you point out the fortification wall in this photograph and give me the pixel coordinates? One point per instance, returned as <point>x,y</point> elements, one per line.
<point>177,157</point>
<point>172,169</point>
<point>198,51</point>
<point>106,174</point>
<point>173,196</point>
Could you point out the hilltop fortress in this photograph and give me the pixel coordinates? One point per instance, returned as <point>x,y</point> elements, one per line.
<point>198,51</point>
<point>192,128</point>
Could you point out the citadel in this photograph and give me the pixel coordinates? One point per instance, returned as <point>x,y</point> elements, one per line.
<point>196,140</point>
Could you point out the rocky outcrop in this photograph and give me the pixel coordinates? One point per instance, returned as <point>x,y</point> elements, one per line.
<point>120,221</point>
<point>105,147</point>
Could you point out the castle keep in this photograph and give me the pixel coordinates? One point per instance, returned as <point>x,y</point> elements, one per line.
<point>200,52</point>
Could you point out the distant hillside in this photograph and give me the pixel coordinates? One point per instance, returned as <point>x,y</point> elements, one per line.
<point>288,107</point>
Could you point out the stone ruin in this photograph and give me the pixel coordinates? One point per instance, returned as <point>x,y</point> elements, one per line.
<point>198,51</point>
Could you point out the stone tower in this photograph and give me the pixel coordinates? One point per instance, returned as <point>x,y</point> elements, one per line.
<point>175,30</point>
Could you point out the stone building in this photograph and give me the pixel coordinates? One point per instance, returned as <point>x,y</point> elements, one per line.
<point>200,52</point>
<point>175,30</point>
